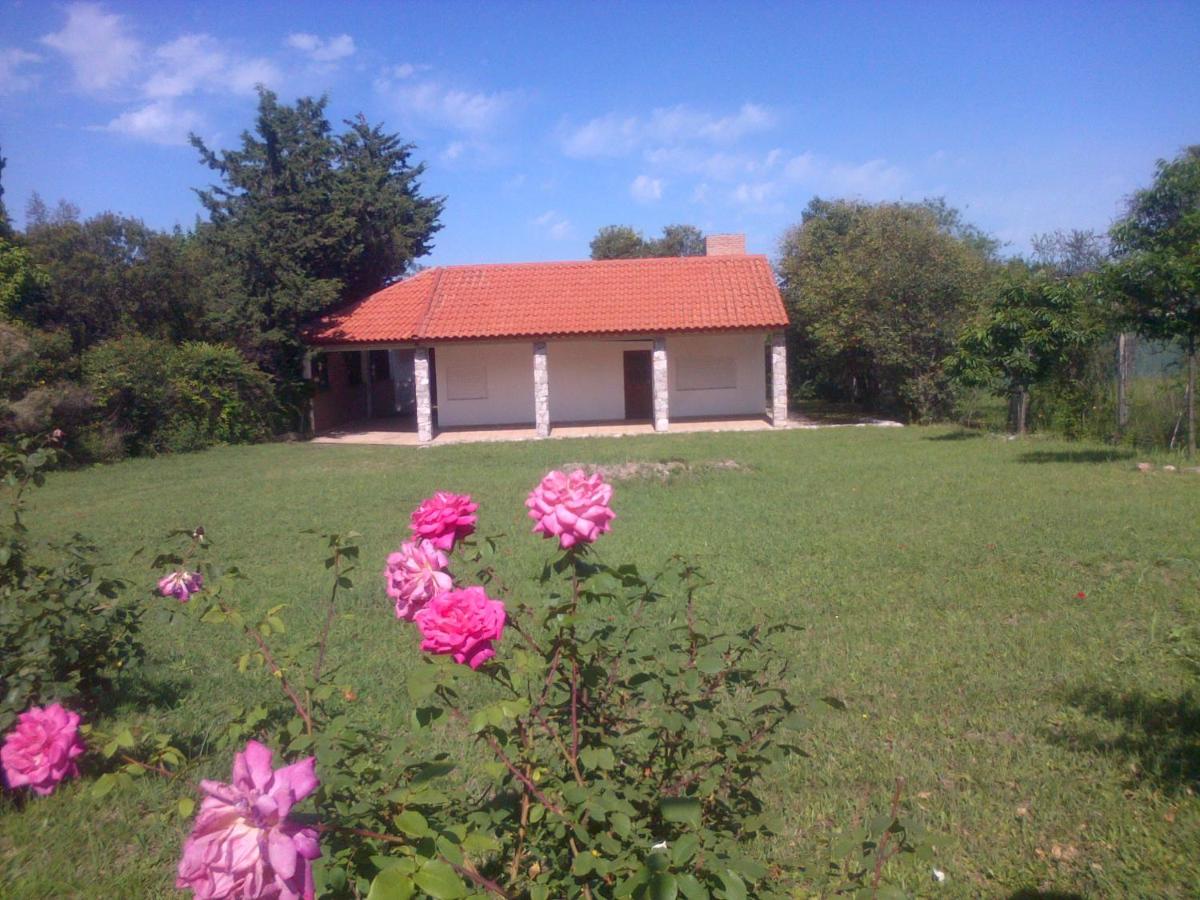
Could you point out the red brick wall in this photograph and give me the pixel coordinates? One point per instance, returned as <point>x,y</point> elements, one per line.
<point>725,245</point>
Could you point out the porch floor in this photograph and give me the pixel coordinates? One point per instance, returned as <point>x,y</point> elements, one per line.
<point>402,431</point>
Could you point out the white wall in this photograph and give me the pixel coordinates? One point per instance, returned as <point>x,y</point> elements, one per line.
<point>492,384</point>
<point>587,379</point>
<point>738,354</point>
<point>485,384</point>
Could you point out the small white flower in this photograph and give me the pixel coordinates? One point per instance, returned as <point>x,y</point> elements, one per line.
<point>939,876</point>
<point>661,845</point>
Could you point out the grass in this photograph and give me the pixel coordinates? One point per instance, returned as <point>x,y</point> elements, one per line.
<point>1052,740</point>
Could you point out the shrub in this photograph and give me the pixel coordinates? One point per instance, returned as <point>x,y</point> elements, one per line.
<point>65,631</point>
<point>162,397</point>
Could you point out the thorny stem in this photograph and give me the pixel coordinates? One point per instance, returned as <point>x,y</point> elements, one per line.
<point>517,773</point>
<point>329,613</point>
<point>157,770</point>
<point>276,670</point>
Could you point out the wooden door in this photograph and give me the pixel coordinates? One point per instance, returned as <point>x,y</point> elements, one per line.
<point>639,387</point>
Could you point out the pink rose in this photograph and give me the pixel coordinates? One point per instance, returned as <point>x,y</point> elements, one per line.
<point>573,508</point>
<point>415,575</point>
<point>463,624</point>
<point>444,518</point>
<point>242,843</point>
<point>42,748</point>
<point>181,585</point>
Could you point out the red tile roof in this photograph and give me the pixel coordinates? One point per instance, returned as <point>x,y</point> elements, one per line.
<point>623,296</point>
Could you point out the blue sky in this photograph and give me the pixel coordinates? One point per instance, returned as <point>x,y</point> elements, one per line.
<point>540,122</point>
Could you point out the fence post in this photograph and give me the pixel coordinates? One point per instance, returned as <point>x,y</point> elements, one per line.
<point>1125,356</point>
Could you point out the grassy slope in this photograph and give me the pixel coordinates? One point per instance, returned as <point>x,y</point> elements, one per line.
<point>1053,738</point>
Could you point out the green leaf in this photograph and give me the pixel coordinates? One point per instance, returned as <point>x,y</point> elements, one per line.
<point>439,881</point>
<point>412,823</point>
<point>681,809</point>
<point>735,889</point>
<point>187,806</point>
<point>597,758</point>
<point>391,884</point>
<point>583,864</point>
<point>690,887</point>
<point>663,887</point>
<point>421,682</point>
<point>104,785</point>
<point>684,848</point>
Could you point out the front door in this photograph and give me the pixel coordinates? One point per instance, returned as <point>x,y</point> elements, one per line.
<point>639,388</point>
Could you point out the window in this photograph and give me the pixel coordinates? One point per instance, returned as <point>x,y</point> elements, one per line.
<point>353,362</point>
<point>466,381</point>
<point>705,373</point>
<point>381,369</point>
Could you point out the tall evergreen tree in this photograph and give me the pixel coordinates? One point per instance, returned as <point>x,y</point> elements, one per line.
<point>303,219</point>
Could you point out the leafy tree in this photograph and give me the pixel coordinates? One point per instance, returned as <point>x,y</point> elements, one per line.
<point>304,219</point>
<point>679,240</point>
<point>1156,276</point>
<point>5,224</point>
<point>618,242</point>
<point>877,294</point>
<point>1070,253</point>
<point>107,276</point>
<point>22,282</point>
<point>1026,335</point>
<point>624,242</point>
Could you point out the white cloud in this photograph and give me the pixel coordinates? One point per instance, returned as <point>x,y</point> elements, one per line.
<point>616,135</point>
<point>12,79</point>
<point>197,62</point>
<point>160,122</point>
<point>556,227</point>
<point>322,50</point>
<point>473,111</point>
<point>645,189</point>
<point>99,47</point>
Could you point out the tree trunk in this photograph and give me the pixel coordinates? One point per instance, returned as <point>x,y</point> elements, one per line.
<point>1191,396</point>
<point>1125,351</point>
<point>1018,410</point>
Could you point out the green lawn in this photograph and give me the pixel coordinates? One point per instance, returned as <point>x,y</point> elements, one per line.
<point>1053,740</point>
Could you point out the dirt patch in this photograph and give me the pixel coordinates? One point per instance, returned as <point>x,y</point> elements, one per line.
<point>661,470</point>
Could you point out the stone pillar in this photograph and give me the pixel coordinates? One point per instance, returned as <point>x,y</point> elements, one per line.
<point>424,404</point>
<point>365,362</point>
<point>779,395</point>
<point>662,398</point>
<point>541,389</point>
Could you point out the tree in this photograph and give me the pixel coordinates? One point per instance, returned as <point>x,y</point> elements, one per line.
<point>5,224</point>
<point>1024,336</point>
<point>877,294</point>
<point>1156,274</point>
<point>618,242</point>
<point>624,242</point>
<point>1070,253</point>
<point>22,282</point>
<point>303,220</point>
<point>107,276</point>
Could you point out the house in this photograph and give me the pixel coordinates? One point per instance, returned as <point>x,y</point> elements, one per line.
<point>535,344</point>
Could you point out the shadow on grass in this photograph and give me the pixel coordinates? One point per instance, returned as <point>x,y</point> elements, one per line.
<point>962,434</point>
<point>1034,894</point>
<point>1158,736</point>
<point>1075,456</point>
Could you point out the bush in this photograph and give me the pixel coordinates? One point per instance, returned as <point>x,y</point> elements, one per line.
<point>65,632</point>
<point>161,397</point>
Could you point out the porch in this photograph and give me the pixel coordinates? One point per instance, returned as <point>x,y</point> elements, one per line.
<point>401,431</point>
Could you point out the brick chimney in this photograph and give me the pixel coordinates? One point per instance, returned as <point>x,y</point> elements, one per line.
<point>725,245</point>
